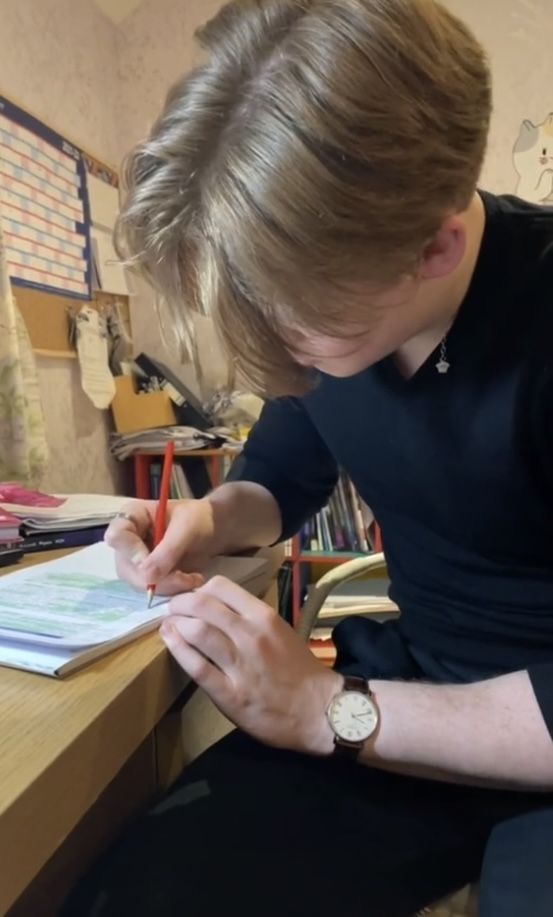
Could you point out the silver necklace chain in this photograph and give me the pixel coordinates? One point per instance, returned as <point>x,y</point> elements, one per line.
<point>443,364</point>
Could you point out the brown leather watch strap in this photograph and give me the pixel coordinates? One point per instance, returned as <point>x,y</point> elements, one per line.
<point>353,683</point>
<point>349,750</point>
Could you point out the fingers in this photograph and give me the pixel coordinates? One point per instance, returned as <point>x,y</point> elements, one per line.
<point>135,564</point>
<point>207,639</point>
<point>197,665</point>
<point>199,605</point>
<point>177,542</point>
<point>128,536</point>
<point>236,598</point>
<point>173,584</point>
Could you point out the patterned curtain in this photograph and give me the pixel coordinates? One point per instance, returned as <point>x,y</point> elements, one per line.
<point>23,449</point>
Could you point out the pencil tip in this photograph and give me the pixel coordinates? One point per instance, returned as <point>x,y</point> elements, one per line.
<point>150,597</point>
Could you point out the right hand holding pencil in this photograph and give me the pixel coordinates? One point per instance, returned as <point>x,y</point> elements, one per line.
<point>188,544</point>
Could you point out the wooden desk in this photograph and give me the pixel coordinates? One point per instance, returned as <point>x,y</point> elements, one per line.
<point>62,746</point>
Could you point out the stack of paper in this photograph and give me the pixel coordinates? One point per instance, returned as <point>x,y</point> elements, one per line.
<point>58,616</point>
<point>186,439</point>
<point>74,511</point>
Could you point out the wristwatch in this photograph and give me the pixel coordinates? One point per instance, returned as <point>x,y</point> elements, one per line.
<point>353,716</point>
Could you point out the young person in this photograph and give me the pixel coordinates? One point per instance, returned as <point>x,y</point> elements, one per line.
<point>313,187</point>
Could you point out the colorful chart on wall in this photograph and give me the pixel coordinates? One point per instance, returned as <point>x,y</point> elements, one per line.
<point>44,206</point>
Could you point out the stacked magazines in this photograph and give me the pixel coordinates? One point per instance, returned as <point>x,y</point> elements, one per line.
<point>344,524</point>
<point>43,522</point>
<point>186,439</point>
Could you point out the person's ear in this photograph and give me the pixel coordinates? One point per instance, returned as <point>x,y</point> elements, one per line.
<point>445,251</point>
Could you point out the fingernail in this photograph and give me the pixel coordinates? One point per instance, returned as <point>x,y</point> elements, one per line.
<point>139,558</point>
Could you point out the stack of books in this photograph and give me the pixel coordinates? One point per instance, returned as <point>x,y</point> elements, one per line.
<point>344,524</point>
<point>44,522</point>
<point>10,539</point>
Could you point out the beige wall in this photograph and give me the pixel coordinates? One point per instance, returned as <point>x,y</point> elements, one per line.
<point>61,65</point>
<point>518,35</point>
<point>155,47</point>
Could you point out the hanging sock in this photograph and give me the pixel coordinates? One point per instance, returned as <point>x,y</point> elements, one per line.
<point>92,349</point>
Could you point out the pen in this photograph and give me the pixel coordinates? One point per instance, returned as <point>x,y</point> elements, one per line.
<point>161,511</point>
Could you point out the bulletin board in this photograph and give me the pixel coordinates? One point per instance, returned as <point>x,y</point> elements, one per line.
<point>58,206</point>
<point>49,330</point>
<point>44,206</point>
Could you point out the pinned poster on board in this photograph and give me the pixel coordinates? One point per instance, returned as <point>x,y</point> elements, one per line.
<point>108,276</point>
<point>44,206</point>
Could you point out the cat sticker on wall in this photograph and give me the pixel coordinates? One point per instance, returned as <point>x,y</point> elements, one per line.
<point>533,160</point>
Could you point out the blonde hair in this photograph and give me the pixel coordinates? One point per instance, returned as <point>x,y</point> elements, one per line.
<point>319,147</point>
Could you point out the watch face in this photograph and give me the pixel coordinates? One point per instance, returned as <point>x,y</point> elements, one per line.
<point>353,716</point>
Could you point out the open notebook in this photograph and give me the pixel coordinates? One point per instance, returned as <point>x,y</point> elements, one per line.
<point>56,617</point>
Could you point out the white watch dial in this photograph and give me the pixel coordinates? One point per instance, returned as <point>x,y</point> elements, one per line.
<point>353,716</point>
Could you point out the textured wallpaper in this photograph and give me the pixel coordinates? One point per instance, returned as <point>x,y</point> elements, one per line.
<point>518,35</point>
<point>58,59</point>
<point>155,47</point>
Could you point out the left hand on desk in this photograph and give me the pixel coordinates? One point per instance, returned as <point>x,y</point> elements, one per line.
<point>253,666</point>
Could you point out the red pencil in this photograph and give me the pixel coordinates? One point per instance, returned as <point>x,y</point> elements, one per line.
<point>161,511</point>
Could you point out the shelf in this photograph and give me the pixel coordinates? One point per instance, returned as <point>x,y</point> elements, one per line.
<point>308,557</point>
<point>192,453</point>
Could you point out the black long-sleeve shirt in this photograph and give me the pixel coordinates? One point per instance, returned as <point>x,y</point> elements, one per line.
<point>458,468</point>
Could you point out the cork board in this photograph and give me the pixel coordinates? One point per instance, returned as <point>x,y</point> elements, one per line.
<point>46,318</point>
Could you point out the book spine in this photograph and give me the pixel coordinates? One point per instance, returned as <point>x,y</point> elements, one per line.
<point>319,535</point>
<point>284,579</point>
<point>48,541</point>
<point>340,514</point>
<point>184,487</point>
<point>351,502</point>
<point>327,535</point>
<point>358,518</point>
<point>313,545</point>
<point>174,493</point>
<point>155,480</point>
<point>338,537</point>
<point>346,515</point>
<point>329,523</point>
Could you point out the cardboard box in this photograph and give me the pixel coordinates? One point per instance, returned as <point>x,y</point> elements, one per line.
<point>134,411</point>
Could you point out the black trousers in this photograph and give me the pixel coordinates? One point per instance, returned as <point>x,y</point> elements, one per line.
<point>255,832</point>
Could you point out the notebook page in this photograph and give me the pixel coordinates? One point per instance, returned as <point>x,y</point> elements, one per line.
<point>78,601</point>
